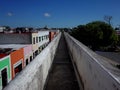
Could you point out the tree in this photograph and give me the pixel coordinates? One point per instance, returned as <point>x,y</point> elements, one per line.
<point>46,27</point>
<point>81,33</point>
<point>108,19</point>
<point>95,34</point>
<point>102,34</point>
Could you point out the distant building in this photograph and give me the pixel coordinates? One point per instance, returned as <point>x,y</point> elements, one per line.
<point>118,32</point>
<point>23,29</point>
<point>117,29</point>
<point>2,28</point>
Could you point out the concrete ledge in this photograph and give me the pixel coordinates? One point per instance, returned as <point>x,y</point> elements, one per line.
<point>33,76</point>
<point>95,72</point>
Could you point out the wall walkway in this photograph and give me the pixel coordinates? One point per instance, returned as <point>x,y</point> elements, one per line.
<point>62,75</point>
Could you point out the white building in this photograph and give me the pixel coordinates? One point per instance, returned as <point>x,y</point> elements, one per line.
<point>38,40</point>
<point>2,28</point>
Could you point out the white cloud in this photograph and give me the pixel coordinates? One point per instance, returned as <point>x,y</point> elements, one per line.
<point>10,14</point>
<point>47,15</point>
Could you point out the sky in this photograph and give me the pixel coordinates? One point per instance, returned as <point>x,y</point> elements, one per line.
<point>57,13</point>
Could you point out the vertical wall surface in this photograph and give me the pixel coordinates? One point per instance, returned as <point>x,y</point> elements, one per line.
<point>27,50</point>
<point>27,53</point>
<point>51,35</point>
<point>5,63</point>
<point>95,72</point>
<point>33,76</point>
<point>35,45</point>
<point>41,34</point>
<point>17,57</point>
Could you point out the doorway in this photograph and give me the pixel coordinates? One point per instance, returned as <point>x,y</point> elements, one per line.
<point>4,77</point>
<point>30,58</point>
<point>26,62</point>
<point>18,69</point>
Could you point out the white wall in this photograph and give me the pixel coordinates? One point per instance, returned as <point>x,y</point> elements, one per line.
<point>2,29</point>
<point>95,72</point>
<point>43,33</point>
<point>33,77</point>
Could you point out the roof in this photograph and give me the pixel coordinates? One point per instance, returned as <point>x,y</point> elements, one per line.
<point>13,46</point>
<point>6,49</point>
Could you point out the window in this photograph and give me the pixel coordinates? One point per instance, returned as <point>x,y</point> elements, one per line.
<point>33,55</point>
<point>42,38</point>
<point>18,69</point>
<point>43,47</point>
<point>46,36</point>
<point>39,39</point>
<point>36,53</point>
<point>34,40</point>
<point>40,49</point>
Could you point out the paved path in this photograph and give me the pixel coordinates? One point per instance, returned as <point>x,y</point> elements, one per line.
<point>62,75</point>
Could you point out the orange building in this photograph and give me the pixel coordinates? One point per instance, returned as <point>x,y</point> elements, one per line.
<point>17,61</point>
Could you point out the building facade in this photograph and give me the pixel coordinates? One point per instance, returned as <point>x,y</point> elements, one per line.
<point>28,54</point>
<point>5,71</point>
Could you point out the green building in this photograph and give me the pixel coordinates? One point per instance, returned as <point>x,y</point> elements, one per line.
<point>5,71</point>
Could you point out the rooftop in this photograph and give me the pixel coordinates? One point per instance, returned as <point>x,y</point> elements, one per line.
<point>13,46</point>
<point>6,49</point>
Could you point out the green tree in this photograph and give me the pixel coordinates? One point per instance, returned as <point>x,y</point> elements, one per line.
<point>95,34</point>
<point>81,33</point>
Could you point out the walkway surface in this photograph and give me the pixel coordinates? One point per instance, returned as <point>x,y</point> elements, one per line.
<point>62,75</point>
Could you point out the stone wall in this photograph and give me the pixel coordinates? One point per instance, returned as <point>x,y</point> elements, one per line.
<point>95,72</point>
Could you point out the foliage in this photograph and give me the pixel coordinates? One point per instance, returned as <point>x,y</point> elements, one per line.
<point>108,19</point>
<point>46,27</point>
<point>95,34</point>
<point>7,28</point>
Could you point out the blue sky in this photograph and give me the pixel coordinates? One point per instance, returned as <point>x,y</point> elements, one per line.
<point>57,13</point>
